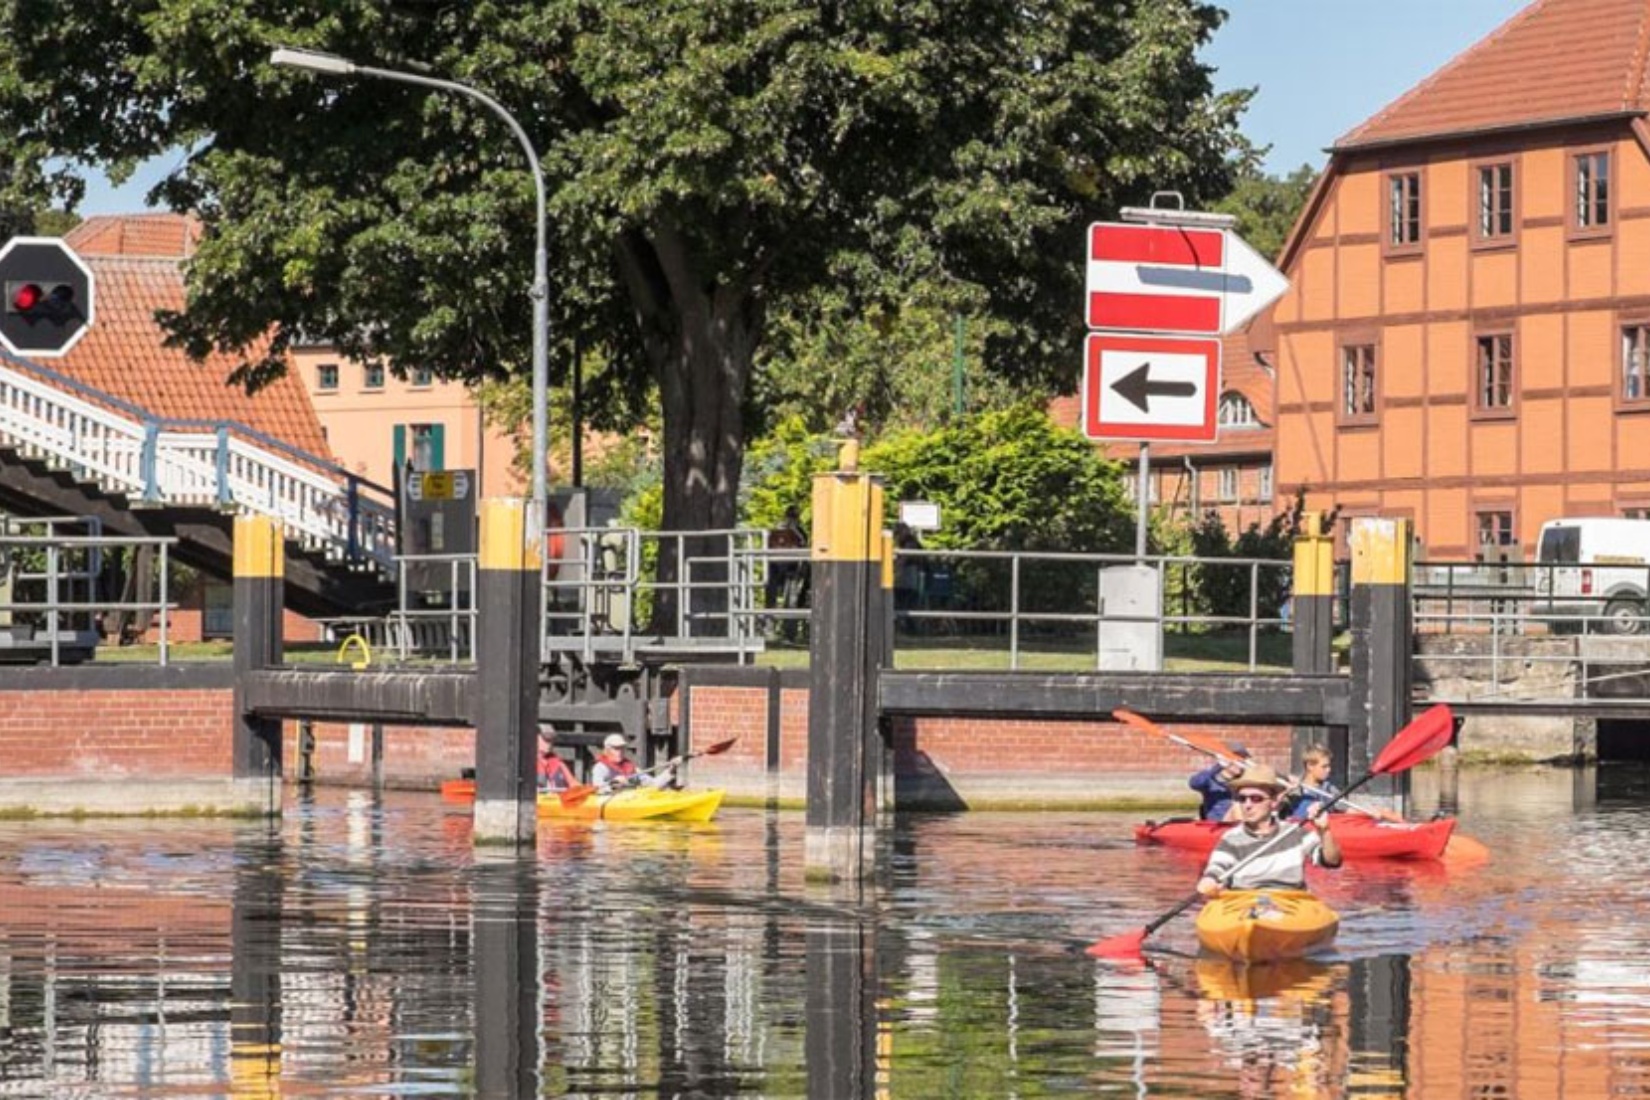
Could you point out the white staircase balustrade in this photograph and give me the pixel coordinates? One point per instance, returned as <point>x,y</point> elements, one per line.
<point>124,449</point>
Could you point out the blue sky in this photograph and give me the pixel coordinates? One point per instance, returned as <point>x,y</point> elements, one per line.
<point>1321,67</point>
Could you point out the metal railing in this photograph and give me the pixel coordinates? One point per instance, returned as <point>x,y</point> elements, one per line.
<point>1047,609</point>
<point>1530,632</point>
<point>49,601</point>
<point>127,449</point>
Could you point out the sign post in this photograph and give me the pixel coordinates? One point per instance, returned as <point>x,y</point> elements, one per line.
<point>1162,287</point>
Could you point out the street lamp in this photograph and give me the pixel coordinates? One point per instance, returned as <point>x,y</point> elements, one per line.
<point>337,66</point>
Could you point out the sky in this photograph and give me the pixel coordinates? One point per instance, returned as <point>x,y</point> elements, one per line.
<point>1320,67</point>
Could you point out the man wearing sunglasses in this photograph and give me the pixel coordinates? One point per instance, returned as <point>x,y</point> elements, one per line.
<point>1282,866</point>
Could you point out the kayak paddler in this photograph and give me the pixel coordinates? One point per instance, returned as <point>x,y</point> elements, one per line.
<point>1255,793</point>
<point>554,774</point>
<point>614,770</point>
<point>1213,783</point>
<point>1298,801</point>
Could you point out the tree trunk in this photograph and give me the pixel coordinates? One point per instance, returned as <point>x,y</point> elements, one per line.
<point>700,336</point>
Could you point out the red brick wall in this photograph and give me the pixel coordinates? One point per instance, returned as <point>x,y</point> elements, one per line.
<point>414,756</point>
<point>974,747</point>
<point>115,733</point>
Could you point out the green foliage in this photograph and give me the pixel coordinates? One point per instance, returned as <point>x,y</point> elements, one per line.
<point>1266,206</point>
<point>779,473</point>
<point>1224,590</point>
<point>1008,480</point>
<point>712,166</point>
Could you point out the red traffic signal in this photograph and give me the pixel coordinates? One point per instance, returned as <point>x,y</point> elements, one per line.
<point>48,299</point>
<point>53,301</point>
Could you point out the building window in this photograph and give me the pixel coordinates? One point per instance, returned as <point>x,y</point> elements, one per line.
<point>1358,382</point>
<point>1635,363</point>
<point>326,377</point>
<point>372,377</point>
<point>1495,371</point>
<point>1592,191</point>
<point>1404,210</point>
<point>1236,412</point>
<point>1495,201</point>
<point>422,377</point>
<point>1227,483</point>
<point>1264,491</point>
<point>1495,529</point>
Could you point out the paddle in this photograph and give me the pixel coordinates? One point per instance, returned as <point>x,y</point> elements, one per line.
<point>1417,742</point>
<point>1220,750</point>
<point>572,796</point>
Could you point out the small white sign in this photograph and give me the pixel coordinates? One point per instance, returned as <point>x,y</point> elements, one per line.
<point>920,515</point>
<point>357,743</point>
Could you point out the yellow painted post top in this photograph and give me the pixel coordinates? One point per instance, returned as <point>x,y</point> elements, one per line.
<point>1380,551</point>
<point>887,560</point>
<point>260,547</point>
<point>507,545</point>
<point>847,517</point>
<point>1314,560</point>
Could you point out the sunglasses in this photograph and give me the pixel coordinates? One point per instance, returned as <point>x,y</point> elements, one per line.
<point>1253,798</point>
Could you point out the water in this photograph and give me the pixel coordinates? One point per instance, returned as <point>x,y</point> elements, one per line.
<point>361,946</point>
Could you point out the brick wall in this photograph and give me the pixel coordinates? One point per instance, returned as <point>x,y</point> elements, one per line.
<point>114,733</point>
<point>414,756</point>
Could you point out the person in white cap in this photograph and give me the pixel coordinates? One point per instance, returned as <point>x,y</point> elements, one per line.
<point>613,769</point>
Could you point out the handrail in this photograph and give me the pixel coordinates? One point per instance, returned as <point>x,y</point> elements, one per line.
<point>221,463</point>
<point>240,428</point>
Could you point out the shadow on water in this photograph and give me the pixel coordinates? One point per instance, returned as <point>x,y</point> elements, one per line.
<point>362,946</point>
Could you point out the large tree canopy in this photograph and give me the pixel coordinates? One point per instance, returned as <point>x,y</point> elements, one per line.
<point>711,164</point>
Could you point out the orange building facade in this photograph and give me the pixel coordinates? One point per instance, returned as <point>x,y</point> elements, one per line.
<point>1466,338</point>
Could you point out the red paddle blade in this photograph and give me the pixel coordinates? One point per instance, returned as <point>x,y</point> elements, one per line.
<point>718,748</point>
<point>572,796</point>
<point>1126,946</point>
<point>1417,742</point>
<point>1213,746</point>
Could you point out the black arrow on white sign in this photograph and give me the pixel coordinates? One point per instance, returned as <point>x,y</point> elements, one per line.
<point>1137,386</point>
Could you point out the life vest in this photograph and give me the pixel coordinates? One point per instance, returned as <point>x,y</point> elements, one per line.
<point>554,774</point>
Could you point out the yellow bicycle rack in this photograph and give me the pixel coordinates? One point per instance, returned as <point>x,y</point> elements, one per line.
<point>366,653</point>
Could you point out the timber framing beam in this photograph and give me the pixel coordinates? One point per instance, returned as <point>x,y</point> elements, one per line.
<point>1243,699</point>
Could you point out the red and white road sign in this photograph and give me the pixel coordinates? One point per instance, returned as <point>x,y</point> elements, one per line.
<point>1175,279</point>
<point>1150,387</point>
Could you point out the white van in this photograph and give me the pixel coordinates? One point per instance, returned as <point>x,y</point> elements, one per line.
<point>1611,574</point>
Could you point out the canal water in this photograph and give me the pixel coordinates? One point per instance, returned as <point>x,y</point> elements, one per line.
<point>361,946</point>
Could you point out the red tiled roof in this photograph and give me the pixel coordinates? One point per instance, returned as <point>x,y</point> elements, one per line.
<point>1557,60</point>
<point>124,353</point>
<point>151,235</point>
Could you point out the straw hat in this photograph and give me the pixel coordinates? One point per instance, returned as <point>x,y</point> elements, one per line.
<point>1257,775</point>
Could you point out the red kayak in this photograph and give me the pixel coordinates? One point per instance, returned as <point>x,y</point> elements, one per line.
<point>1361,837</point>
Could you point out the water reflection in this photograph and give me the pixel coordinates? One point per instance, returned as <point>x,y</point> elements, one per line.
<point>363,946</point>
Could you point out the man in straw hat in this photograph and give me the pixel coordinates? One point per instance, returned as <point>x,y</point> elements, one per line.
<point>1255,793</point>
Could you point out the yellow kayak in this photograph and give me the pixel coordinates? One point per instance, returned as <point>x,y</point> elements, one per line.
<point>1265,925</point>
<point>1304,980</point>
<point>636,804</point>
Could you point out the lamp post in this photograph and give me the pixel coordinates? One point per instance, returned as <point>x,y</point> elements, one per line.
<point>338,66</point>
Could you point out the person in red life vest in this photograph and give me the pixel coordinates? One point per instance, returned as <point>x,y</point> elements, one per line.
<point>614,770</point>
<point>554,774</point>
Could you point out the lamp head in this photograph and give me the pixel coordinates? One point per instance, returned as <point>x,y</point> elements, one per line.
<point>312,61</point>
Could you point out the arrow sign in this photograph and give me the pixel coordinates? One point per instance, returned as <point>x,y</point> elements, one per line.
<point>1150,387</point>
<point>1139,388</point>
<point>1175,279</point>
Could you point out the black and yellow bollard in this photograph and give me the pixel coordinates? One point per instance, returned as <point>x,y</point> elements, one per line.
<point>507,675</point>
<point>259,582</point>
<point>1312,618</point>
<point>847,576</point>
<point>879,729</point>
<point>1381,641</point>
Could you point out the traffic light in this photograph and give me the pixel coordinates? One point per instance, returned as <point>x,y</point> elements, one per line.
<point>48,297</point>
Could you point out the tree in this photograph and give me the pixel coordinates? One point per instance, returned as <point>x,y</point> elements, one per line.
<point>710,162</point>
<point>1266,206</point>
